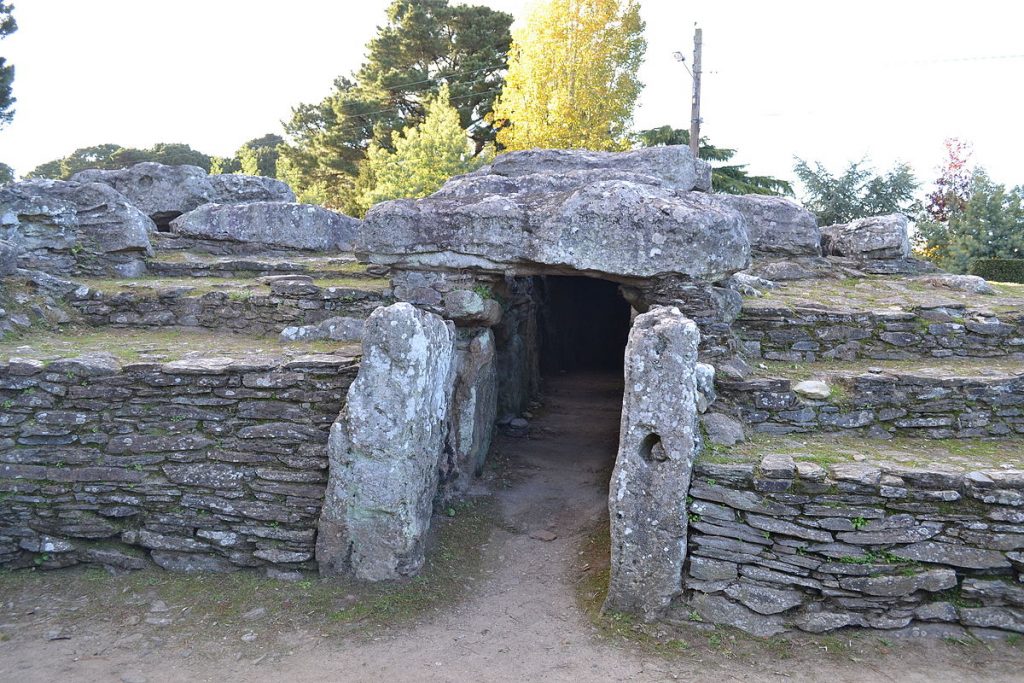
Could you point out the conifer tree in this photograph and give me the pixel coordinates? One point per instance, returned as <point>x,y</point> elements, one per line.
<point>425,155</point>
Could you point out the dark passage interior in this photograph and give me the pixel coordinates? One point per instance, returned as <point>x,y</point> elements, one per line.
<point>581,329</point>
<point>584,324</point>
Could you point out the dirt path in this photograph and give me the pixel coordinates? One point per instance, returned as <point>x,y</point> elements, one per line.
<point>523,622</point>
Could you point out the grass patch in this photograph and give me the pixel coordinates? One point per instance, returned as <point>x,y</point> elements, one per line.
<point>832,449</point>
<point>159,344</point>
<point>204,605</point>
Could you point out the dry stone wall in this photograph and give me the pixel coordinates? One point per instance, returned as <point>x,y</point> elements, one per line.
<point>208,464</point>
<point>808,334</point>
<point>288,303</point>
<point>885,403</point>
<point>921,550</point>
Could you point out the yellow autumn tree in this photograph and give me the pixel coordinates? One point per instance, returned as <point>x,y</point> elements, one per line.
<point>572,76</point>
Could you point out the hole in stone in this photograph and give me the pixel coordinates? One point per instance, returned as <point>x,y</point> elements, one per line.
<point>651,449</point>
<point>163,219</point>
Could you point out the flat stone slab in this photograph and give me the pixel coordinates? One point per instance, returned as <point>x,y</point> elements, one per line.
<point>630,214</point>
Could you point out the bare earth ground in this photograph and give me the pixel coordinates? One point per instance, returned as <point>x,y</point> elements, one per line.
<point>523,609</point>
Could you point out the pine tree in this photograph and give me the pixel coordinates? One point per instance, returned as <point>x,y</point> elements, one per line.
<point>424,44</point>
<point>425,155</point>
<point>572,76</point>
<point>727,178</point>
<point>7,27</point>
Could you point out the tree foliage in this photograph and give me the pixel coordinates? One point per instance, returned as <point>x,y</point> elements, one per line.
<point>113,156</point>
<point>953,186</point>
<point>7,27</point>
<point>425,155</point>
<point>256,157</point>
<point>572,77</point>
<point>424,45</point>
<point>856,193</point>
<point>727,178</point>
<point>989,225</point>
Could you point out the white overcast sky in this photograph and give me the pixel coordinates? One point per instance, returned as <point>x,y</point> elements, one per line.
<point>825,81</point>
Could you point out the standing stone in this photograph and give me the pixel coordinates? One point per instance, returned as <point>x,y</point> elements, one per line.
<point>657,446</point>
<point>474,408</point>
<point>386,447</point>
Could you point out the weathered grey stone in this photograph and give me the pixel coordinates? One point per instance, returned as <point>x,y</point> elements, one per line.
<point>722,430</point>
<point>764,600</point>
<point>657,447</point>
<point>898,586</point>
<point>235,188</point>
<point>953,555</point>
<point>273,224</point>
<point>1005,618</point>
<point>704,380</point>
<point>959,283</point>
<point>879,237</point>
<point>819,622</point>
<point>746,501</point>
<point>191,562</point>
<point>777,225</point>
<point>705,569</point>
<point>70,228</point>
<point>993,591</point>
<point>889,536</point>
<point>340,328</point>
<point>813,388</point>
<point>936,611</point>
<point>386,447</point>
<point>718,609</point>
<point>156,189</point>
<point>781,526</point>
<point>466,307</point>
<point>474,408</point>
<point>8,258</point>
<point>777,466</point>
<point>544,210</point>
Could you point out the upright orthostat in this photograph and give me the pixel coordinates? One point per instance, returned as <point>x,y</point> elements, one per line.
<point>385,448</point>
<point>657,446</point>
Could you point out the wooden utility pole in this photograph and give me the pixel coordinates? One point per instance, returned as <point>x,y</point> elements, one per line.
<point>695,110</point>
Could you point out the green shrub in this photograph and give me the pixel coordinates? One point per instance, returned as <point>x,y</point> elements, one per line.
<point>999,269</point>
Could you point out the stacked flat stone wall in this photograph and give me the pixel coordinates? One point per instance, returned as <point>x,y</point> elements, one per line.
<point>261,267</point>
<point>884,403</point>
<point>784,545</point>
<point>288,303</point>
<point>807,334</point>
<point>208,464</point>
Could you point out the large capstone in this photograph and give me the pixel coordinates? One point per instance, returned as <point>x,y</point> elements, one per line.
<point>657,445</point>
<point>158,190</point>
<point>624,215</point>
<point>282,225</point>
<point>776,225</point>
<point>879,237</point>
<point>385,449</point>
<point>164,192</point>
<point>71,228</point>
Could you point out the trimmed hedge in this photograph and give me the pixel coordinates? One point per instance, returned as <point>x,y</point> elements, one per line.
<point>999,269</point>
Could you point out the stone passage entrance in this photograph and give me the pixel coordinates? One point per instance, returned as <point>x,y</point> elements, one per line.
<point>583,325</point>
